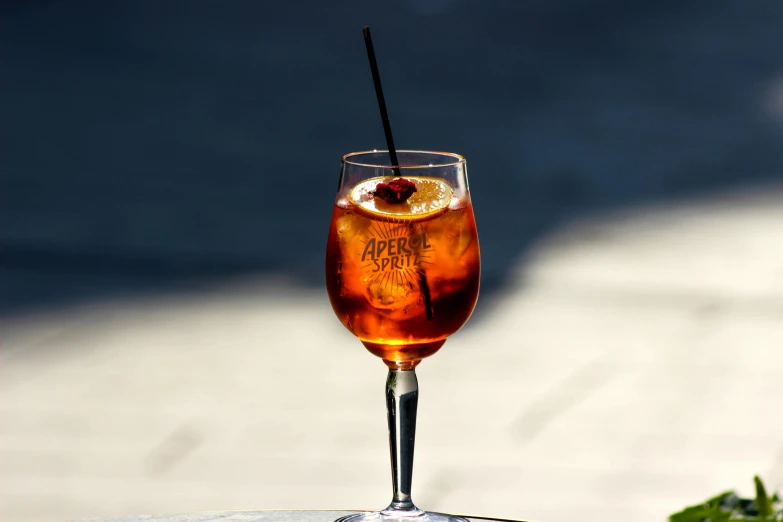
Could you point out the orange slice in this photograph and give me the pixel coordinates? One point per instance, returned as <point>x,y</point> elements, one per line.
<point>432,198</point>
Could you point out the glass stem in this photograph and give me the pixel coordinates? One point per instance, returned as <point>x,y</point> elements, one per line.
<point>402,397</point>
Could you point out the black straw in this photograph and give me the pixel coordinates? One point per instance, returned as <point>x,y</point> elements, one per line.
<point>376,79</point>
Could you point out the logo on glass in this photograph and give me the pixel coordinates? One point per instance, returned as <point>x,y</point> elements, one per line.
<point>395,247</point>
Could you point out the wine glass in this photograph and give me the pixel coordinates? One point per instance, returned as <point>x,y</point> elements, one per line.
<point>402,274</point>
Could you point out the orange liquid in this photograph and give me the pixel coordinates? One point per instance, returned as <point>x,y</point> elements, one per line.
<point>402,288</point>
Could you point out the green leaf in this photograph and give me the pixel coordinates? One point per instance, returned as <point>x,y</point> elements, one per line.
<point>728,507</point>
<point>717,500</point>
<point>709,510</point>
<point>762,500</point>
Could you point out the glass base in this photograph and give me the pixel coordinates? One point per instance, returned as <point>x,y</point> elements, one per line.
<point>402,516</point>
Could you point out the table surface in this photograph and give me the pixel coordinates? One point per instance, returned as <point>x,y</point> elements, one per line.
<point>254,516</point>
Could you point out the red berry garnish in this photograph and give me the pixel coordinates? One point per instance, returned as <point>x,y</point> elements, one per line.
<point>397,190</point>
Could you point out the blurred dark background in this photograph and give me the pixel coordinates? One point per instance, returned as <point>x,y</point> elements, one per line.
<point>156,146</point>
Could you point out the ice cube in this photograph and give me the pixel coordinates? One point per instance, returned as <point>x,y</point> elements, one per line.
<point>391,290</point>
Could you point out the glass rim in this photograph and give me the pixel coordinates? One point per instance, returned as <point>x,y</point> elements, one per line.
<point>456,159</point>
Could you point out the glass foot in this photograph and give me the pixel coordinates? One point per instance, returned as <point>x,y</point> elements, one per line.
<point>422,516</point>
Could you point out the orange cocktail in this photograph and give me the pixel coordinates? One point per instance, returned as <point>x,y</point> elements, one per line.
<point>403,276</point>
